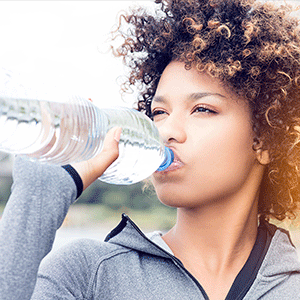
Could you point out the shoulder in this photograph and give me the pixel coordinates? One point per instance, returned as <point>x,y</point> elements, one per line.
<point>73,268</point>
<point>84,251</point>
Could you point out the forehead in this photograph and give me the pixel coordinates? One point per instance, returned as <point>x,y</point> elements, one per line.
<point>191,97</point>
<point>177,82</point>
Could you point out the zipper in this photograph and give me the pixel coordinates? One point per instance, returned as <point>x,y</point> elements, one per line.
<point>175,260</point>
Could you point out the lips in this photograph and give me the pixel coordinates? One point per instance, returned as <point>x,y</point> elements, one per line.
<point>176,164</point>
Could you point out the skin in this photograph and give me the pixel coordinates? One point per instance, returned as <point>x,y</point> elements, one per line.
<point>210,131</point>
<point>214,180</point>
<point>216,185</point>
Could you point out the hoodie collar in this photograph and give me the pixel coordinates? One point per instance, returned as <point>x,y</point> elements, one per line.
<point>127,234</point>
<point>273,253</point>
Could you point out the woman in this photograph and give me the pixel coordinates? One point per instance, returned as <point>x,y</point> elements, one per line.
<point>220,80</point>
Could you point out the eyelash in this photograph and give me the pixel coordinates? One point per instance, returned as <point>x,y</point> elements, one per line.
<point>157,112</point>
<point>204,108</point>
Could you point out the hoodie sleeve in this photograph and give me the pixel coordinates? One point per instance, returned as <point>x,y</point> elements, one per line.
<point>40,198</point>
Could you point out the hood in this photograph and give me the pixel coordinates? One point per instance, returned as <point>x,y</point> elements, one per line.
<point>281,257</point>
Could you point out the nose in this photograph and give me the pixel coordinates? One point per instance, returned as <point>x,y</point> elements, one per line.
<point>172,129</point>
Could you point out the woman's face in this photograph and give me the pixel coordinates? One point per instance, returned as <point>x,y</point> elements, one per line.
<point>210,132</point>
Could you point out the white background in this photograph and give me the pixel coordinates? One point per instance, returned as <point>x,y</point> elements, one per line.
<point>60,47</point>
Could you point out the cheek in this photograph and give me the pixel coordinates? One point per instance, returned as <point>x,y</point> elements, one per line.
<point>218,162</point>
<point>224,161</point>
<point>229,141</point>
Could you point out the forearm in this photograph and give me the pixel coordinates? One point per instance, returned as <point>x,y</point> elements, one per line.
<point>40,198</point>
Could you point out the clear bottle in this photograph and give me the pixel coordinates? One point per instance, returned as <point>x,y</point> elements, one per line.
<point>73,131</point>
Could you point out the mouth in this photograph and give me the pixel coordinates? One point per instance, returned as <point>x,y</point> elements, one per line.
<point>175,165</point>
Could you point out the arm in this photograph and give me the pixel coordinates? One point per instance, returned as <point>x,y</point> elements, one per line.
<point>40,198</point>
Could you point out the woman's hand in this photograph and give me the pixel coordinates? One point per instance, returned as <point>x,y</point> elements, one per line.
<point>93,168</point>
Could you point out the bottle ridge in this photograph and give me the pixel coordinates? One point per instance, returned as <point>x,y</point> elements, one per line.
<point>74,130</point>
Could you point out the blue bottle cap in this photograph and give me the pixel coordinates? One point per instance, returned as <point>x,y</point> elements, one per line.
<point>169,157</point>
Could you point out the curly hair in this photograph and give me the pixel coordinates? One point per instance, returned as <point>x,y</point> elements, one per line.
<point>253,48</point>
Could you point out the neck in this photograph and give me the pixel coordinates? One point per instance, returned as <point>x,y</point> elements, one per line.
<point>220,235</point>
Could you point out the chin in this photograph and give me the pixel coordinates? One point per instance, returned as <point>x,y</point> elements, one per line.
<point>165,197</point>
<point>173,198</point>
<point>170,202</point>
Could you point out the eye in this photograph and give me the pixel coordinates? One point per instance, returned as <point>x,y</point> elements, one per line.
<point>203,109</point>
<point>157,113</point>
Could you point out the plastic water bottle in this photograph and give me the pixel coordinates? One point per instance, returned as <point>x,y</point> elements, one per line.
<point>73,131</point>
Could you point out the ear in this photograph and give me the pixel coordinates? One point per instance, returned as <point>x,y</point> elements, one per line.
<point>262,156</point>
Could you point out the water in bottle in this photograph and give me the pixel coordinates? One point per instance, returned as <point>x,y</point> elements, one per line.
<point>74,131</point>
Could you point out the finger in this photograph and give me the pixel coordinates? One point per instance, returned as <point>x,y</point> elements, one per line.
<point>93,168</point>
<point>117,134</point>
<point>110,150</point>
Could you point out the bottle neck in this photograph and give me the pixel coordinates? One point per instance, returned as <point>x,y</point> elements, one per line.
<point>169,158</point>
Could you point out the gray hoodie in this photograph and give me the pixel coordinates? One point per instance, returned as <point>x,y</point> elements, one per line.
<point>127,265</point>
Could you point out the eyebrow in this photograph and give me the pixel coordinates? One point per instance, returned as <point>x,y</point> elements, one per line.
<point>192,97</point>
